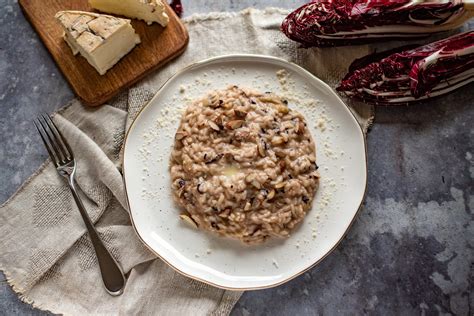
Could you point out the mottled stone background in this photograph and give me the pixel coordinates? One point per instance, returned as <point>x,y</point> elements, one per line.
<point>411,249</point>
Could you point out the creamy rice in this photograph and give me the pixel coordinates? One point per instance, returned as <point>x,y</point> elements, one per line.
<point>244,165</point>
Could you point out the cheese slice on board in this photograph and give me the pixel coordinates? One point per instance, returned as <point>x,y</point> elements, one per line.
<point>148,10</point>
<point>102,39</point>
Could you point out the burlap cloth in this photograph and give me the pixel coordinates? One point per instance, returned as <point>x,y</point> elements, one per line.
<point>45,251</point>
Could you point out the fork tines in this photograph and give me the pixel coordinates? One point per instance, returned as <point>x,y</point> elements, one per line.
<point>55,144</point>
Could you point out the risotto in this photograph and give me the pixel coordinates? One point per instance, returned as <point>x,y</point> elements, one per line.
<point>243,165</point>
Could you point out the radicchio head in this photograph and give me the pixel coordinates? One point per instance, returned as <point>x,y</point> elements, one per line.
<point>413,74</point>
<point>343,22</point>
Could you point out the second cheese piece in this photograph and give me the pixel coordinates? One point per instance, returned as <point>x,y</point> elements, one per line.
<point>148,10</point>
<point>102,39</point>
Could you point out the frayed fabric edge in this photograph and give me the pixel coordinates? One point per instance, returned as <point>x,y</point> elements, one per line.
<point>20,294</point>
<point>227,303</point>
<point>370,121</point>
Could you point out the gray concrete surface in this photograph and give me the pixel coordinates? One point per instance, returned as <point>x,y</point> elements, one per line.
<point>411,249</point>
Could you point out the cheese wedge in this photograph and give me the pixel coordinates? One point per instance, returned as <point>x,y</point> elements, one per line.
<point>148,10</point>
<point>102,39</point>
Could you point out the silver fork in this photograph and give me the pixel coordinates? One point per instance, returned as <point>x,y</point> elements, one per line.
<point>63,158</point>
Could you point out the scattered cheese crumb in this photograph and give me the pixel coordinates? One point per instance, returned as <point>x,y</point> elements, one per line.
<point>321,124</point>
<point>275,263</point>
<point>282,76</point>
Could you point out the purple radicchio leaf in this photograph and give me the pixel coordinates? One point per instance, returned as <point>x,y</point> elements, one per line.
<point>177,7</point>
<point>451,65</point>
<point>374,57</point>
<point>344,22</point>
<point>426,71</point>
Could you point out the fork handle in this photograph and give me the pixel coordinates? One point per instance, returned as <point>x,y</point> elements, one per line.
<point>112,275</point>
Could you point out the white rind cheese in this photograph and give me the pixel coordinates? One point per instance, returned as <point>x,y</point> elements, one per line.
<point>102,39</point>
<point>148,10</point>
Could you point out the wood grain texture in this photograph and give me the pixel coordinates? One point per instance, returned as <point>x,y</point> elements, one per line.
<point>158,46</point>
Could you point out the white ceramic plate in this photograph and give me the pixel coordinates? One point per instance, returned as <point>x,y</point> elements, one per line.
<point>341,155</point>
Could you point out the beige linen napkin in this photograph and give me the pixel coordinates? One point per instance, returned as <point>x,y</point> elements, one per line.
<point>44,249</point>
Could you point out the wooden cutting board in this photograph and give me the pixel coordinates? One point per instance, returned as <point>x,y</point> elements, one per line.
<point>158,46</point>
